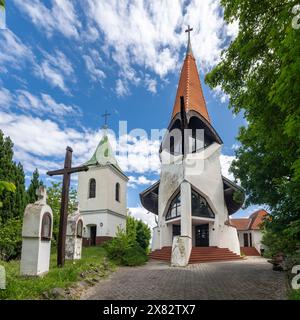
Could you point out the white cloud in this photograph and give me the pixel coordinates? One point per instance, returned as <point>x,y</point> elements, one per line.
<point>220,94</point>
<point>61,17</point>
<point>154,31</point>
<point>12,51</point>
<point>95,73</point>
<point>56,69</point>
<point>45,140</point>
<point>122,88</point>
<point>140,180</point>
<point>43,105</point>
<point>5,98</point>
<point>142,214</point>
<point>150,84</point>
<point>225,165</point>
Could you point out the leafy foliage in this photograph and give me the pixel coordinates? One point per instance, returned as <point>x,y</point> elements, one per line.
<point>10,239</point>
<point>8,186</point>
<point>130,246</point>
<point>2,3</point>
<point>13,203</point>
<point>54,200</point>
<point>260,73</point>
<point>34,185</point>
<point>285,240</point>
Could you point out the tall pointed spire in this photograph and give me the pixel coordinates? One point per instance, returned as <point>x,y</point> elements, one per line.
<point>189,85</point>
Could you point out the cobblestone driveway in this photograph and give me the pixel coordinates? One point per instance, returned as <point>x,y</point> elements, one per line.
<point>247,279</point>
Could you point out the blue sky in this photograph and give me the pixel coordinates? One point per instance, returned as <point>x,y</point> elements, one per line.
<point>63,63</point>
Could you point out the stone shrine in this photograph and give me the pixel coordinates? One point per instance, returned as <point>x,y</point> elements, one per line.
<point>36,236</point>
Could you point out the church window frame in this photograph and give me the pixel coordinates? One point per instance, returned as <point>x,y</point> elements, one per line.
<point>117,192</point>
<point>92,188</point>
<point>202,207</point>
<point>46,229</point>
<point>174,210</point>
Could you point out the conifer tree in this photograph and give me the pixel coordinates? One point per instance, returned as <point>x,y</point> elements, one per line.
<point>34,184</point>
<point>13,204</point>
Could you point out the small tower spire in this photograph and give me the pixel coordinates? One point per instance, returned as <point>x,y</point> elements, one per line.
<point>189,46</point>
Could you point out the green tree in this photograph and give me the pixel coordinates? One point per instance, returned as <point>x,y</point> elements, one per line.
<point>13,204</point>
<point>54,200</point>
<point>143,235</point>
<point>260,73</point>
<point>8,186</point>
<point>34,185</point>
<point>2,3</point>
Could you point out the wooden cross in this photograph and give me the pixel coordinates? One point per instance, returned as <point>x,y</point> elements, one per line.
<point>66,173</point>
<point>105,116</point>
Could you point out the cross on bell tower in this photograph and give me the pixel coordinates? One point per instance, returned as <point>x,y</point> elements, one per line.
<point>105,116</point>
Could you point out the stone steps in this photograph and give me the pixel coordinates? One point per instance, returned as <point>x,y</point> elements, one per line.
<point>198,254</point>
<point>249,251</point>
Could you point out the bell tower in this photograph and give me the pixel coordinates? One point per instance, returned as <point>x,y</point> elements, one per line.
<point>102,194</point>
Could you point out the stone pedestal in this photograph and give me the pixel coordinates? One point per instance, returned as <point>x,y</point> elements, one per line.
<point>36,237</point>
<point>74,237</point>
<point>181,250</point>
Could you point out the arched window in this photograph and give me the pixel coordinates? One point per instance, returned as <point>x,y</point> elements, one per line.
<point>46,226</point>
<point>200,207</point>
<point>79,230</point>
<point>174,209</point>
<point>92,188</point>
<point>118,192</point>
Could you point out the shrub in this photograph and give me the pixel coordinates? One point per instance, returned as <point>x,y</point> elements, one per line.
<point>130,246</point>
<point>134,256</point>
<point>10,239</point>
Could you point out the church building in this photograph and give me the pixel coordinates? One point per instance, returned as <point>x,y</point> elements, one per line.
<point>192,200</point>
<point>102,195</point>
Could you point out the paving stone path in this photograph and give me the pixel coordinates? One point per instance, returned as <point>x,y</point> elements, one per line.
<point>246,279</point>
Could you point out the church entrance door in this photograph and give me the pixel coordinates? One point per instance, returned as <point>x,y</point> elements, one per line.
<point>202,235</point>
<point>93,230</point>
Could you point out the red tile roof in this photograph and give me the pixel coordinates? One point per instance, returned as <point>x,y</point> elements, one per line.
<point>252,223</point>
<point>240,224</point>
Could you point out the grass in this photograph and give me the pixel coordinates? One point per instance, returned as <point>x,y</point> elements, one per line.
<point>20,287</point>
<point>294,295</point>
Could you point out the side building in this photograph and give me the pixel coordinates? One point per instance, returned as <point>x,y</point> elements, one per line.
<point>102,195</point>
<point>250,232</point>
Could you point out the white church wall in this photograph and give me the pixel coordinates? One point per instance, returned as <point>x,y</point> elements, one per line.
<point>112,179</point>
<point>209,182</point>
<point>155,244</point>
<point>228,238</point>
<point>107,223</point>
<point>100,174</point>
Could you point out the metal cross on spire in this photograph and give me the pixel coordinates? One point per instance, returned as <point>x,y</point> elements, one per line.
<point>189,47</point>
<point>105,116</point>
